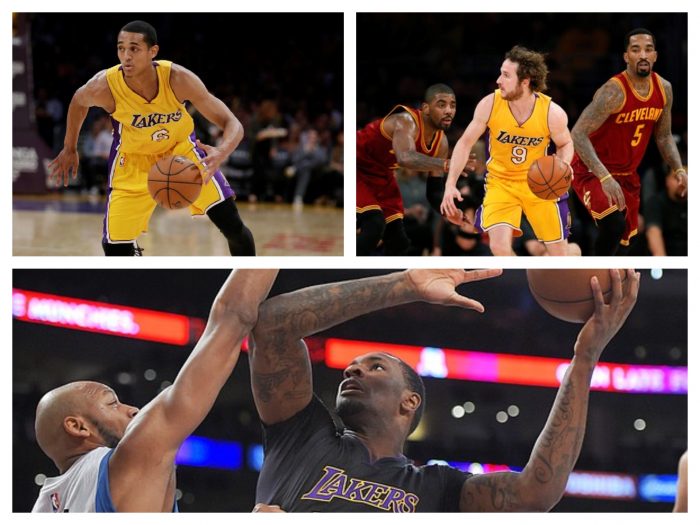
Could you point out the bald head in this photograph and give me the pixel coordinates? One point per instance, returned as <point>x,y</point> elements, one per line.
<point>69,420</point>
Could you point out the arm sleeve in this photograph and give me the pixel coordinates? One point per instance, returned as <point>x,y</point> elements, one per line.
<point>434,190</point>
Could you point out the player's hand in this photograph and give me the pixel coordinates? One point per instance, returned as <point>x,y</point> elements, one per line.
<point>439,286</point>
<point>215,158</point>
<point>613,192</point>
<point>447,206</point>
<point>457,218</point>
<point>682,179</point>
<point>65,164</point>
<point>262,507</point>
<point>607,319</point>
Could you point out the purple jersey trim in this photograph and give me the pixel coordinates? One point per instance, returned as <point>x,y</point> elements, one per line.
<point>116,142</point>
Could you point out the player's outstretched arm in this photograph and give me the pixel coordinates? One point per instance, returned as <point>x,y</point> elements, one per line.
<point>608,99</point>
<point>666,143</point>
<point>542,482</point>
<point>94,93</point>
<point>280,367</point>
<point>187,86</point>
<point>142,462</point>
<point>460,154</point>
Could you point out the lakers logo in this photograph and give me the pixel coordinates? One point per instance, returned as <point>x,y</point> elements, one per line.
<point>161,134</point>
<point>587,199</point>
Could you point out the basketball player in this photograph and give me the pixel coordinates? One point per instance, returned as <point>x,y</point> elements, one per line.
<point>145,98</point>
<point>114,457</point>
<point>405,138</point>
<point>521,121</point>
<point>611,136</point>
<point>312,465</point>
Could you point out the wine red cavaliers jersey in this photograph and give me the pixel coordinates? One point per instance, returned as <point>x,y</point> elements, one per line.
<point>375,154</point>
<point>376,184</point>
<point>621,141</point>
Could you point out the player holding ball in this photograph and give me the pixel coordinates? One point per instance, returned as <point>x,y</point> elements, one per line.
<point>521,121</point>
<point>145,98</point>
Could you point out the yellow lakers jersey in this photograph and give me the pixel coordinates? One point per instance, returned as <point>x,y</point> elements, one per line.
<point>148,128</point>
<point>513,147</point>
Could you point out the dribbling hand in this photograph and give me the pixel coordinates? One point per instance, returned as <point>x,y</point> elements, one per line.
<point>607,319</point>
<point>439,286</point>
<point>613,192</point>
<point>63,166</point>
<point>215,157</point>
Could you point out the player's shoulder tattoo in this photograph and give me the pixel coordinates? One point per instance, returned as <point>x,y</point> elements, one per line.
<point>609,97</point>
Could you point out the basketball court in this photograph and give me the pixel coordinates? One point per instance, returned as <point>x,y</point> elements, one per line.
<point>72,225</point>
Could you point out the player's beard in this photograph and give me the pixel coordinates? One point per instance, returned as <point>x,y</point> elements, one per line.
<point>515,94</point>
<point>348,410</point>
<point>643,72</point>
<point>109,438</point>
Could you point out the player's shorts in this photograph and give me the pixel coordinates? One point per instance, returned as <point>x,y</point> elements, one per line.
<point>590,192</point>
<point>506,201</point>
<point>130,205</point>
<point>379,193</point>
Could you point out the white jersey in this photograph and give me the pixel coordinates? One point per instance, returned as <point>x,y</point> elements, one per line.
<point>74,490</point>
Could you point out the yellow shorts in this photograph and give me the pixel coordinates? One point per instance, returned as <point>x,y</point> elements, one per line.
<point>130,205</point>
<point>506,201</point>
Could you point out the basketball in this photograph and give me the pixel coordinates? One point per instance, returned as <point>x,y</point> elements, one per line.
<point>549,177</point>
<point>174,182</point>
<point>567,294</point>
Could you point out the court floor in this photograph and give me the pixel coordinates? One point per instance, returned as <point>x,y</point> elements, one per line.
<point>72,225</point>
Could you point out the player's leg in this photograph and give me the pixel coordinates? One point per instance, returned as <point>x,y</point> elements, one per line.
<point>500,215</point>
<point>226,217</point>
<point>610,231</point>
<point>396,241</point>
<point>550,221</point>
<point>369,214</point>
<point>129,206</point>
<point>217,201</point>
<point>370,230</point>
<point>501,240</point>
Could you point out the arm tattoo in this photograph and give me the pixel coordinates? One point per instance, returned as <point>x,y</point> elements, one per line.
<point>606,100</point>
<point>419,161</point>
<point>311,310</point>
<point>542,482</point>
<point>662,132</point>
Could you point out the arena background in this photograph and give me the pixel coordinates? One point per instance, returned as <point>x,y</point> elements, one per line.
<point>465,51</point>
<point>282,70</point>
<point>633,440</point>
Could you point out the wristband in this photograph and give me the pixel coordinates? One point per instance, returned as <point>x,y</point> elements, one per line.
<point>446,166</point>
<point>608,176</point>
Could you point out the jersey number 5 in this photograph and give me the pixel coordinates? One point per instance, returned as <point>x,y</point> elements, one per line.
<point>637,135</point>
<point>519,155</point>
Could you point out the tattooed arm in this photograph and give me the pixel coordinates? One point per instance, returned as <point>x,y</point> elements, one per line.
<point>403,131</point>
<point>664,141</point>
<point>280,367</point>
<point>606,101</point>
<point>542,482</point>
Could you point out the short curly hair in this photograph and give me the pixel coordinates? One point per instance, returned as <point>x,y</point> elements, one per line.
<point>531,65</point>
